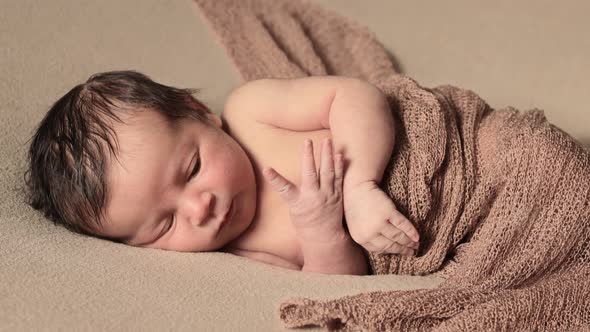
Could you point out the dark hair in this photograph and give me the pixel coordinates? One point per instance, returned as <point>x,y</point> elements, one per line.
<point>65,178</point>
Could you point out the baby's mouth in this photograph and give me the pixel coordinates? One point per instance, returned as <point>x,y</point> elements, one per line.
<point>227,216</point>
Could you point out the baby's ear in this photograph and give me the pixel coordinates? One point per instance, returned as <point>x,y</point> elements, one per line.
<point>214,119</point>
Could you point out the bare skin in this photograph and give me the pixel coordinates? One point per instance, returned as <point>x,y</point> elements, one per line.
<point>162,198</point>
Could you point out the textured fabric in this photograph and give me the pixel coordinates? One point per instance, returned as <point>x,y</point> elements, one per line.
<point>500,197</point>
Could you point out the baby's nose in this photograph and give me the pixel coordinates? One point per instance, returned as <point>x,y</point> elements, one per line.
<point>200,209</point>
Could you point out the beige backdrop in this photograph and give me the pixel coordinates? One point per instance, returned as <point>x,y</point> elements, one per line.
<point>530,54</point>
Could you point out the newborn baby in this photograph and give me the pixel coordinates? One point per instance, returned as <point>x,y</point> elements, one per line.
<point>124,158</point>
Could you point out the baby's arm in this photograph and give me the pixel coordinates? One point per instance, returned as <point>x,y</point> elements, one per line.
<point>356,112</point>
<point>362,127</point>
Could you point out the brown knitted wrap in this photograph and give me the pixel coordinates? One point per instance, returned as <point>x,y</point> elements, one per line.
<point>500,198</point>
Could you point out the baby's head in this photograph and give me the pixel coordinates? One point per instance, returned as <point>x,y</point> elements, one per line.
<point>124,158</point>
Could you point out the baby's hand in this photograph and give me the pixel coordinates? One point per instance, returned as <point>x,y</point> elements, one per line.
<point>375,223</point>
<point>315,208</point>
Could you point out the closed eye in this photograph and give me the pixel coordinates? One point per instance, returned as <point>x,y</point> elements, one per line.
<point>170,223</point>
<point>195,168</point>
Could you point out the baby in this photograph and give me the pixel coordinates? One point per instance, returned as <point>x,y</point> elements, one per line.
<point>127,159</point>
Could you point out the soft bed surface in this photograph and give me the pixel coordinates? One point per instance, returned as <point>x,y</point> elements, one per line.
<point>527,55</point>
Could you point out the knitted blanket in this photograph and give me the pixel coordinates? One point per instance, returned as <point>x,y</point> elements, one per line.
<point>500,197</point>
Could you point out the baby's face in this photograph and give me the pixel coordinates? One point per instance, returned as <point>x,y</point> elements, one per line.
<point>189,188</point>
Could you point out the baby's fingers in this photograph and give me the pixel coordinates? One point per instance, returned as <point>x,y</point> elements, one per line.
<point>327,172</point>
<point>380,244</point>
<point>338,172</point>
<point>394,234</point>
<point>400,221</point>
<point>284,187</point>
<point>309,177</point>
